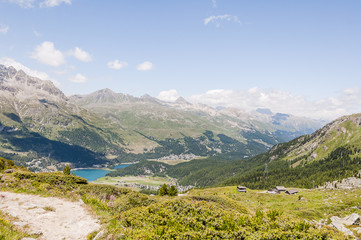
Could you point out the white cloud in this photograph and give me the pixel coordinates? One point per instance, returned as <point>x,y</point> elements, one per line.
<point>169,95</point>
<point>214,3</point>
<point>116,64</point>
<point>145,66</point>
<point>348,102</point>
<point>79,78</point>
<point>45,3</point>
<point>80,54</point>
<point>54,3</point>
<point>219,18</point>
<point>36,33</point>
<point>18,66</point>
<point>23,3</point>
<point>47,54</point>
<point>4,29</point>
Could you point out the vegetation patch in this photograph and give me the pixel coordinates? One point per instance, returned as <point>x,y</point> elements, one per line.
<point>183,219</point>
<point>214,213</point>
<point>8,231</point>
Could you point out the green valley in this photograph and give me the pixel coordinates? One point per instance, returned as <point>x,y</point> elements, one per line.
<point>43,129</point>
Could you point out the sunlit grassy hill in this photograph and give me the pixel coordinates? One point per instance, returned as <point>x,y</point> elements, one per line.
<point>331,153</point>
<point>215,213</point>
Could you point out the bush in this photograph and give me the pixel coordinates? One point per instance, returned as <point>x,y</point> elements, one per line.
<point>149,192</point>
<point>103,192</point>
<point>4,163</point>
<point>51,178</point>
<point>66,170</point>
<point>173,191</point>
<point>274,214</point>
<point>163,190</point>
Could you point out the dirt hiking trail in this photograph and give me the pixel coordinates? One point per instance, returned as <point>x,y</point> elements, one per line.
<point>51,218</point>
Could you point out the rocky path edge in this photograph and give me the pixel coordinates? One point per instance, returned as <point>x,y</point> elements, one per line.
<point>49,217</point>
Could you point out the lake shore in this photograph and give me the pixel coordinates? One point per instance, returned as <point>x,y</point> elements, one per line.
<point>108,169</point>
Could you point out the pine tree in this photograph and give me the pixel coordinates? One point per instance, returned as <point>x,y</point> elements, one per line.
<point>163,190</point>
<point>173,191</point>
<point>66,170</point>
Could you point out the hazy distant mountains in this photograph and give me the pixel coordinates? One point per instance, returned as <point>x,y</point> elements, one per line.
<point>153,117</point>
<point>39,124</point>
<point>330,154</point>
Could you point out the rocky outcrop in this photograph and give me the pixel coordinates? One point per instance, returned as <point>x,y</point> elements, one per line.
<point>18,83</point>
<point>347,183</point>
<point>341,223</point>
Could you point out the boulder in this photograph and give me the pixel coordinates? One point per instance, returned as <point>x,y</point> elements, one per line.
<point>340,223</point>
<point>353,219</point>
<point>9,170</point>
<point>341,228</point>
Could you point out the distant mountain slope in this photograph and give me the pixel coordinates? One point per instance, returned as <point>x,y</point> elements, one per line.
<point>331,153</point>
<point>41,126</point>
<point>37,122</point>
<point>158,120</point>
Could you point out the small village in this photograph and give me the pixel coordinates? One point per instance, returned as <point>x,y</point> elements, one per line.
<point>186,157</point>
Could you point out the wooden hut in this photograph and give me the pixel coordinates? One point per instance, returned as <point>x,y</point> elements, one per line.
<point>273,191</point>
<point>292,191</point>
<point>241,189</point>
<point>281,189</point>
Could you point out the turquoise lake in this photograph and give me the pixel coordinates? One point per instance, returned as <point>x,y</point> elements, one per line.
<point>92,174</point>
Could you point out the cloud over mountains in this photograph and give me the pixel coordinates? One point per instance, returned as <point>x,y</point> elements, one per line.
<point>348,102</point>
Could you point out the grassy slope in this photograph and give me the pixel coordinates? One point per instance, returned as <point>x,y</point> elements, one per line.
<point>344,131</point>
<point>219,213</point>
<point>158,121</point>
<point>8,231</point>
<point>146,180</point>
<point>309,204</point>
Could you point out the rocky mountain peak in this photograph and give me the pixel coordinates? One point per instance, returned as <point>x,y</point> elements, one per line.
<point>148,98</point>
<point>106,91</point>
<point>104,96</point>
<point>19,84</point>
<point>181,100</point>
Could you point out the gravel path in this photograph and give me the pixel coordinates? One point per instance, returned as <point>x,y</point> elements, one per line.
<point>51,218</point>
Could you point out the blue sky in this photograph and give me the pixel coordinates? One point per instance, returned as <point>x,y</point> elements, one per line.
<point>245,54</point>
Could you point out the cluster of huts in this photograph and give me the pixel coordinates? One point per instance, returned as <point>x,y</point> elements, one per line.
<point>276,190</point>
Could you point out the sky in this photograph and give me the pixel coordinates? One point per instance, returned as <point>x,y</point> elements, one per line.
<point>296,57</point>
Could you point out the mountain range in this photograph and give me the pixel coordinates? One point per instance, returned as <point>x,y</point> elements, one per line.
<point>43,129</point>
<point>332,153</point>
